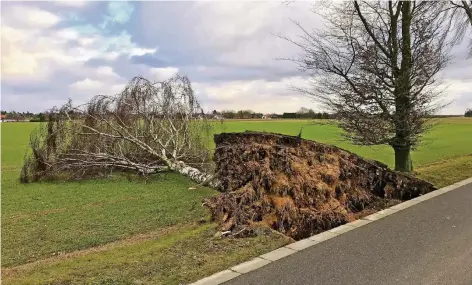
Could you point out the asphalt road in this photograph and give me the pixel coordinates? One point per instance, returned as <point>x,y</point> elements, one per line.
<point>429,243</point>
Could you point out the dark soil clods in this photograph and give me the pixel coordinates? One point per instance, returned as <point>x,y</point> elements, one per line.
<point>299,187</point>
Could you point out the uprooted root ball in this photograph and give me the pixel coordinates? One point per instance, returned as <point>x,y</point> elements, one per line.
<point>299,187</point>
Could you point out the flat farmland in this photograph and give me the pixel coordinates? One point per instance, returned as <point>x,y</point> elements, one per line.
<point>449,137</point>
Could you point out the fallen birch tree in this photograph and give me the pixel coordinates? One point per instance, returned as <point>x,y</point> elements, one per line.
<point>149,127</point>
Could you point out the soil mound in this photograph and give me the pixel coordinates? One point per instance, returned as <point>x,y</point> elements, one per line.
<point>299,187</point>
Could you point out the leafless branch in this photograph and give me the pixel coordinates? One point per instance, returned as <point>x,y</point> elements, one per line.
<point>149,127</point>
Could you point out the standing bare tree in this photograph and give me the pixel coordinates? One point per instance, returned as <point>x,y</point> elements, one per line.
<point>374,67</point>
<point>147,128</point>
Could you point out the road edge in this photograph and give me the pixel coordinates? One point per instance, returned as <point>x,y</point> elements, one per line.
<point>273,256</point>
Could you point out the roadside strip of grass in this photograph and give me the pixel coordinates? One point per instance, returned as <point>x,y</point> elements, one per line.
<point>181,256</point>
<point>448,171</point>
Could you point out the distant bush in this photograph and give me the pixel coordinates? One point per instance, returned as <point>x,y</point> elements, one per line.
<point>289,115</point>
<point>468,113</point>
<point>40,118</point>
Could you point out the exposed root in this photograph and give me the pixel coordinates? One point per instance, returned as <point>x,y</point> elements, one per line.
<point>299,187</point>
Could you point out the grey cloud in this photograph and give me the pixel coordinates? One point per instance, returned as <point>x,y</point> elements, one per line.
<point>121,65</point>
<point>223,73</point>
<point>41,95</point>
<point>459,104</point>
<point>150,59</point>
<point>185,36</point>
<point>61,76</point>
<point>185,41</point>
<point>163,58</point>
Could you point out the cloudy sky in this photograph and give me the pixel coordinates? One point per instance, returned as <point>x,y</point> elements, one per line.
<point>52,51</point>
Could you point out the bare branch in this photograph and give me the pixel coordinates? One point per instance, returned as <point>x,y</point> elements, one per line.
<point>149,127</point>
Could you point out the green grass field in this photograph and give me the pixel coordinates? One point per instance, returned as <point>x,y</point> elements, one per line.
<point>451,137</point>
<point>130,232</point>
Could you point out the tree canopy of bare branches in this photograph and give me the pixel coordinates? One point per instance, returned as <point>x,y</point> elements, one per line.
<point>149,127</point>
<point>459,14</point>
<point>374,66</point>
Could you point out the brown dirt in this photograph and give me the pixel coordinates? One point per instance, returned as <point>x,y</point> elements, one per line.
<point>299,187</point>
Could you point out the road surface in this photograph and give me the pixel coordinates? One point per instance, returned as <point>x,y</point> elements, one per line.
<point>429,243</point>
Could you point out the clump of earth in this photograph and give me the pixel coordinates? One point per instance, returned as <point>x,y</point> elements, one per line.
<point>299,187</point>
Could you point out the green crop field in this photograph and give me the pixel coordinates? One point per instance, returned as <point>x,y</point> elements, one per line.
<point>451,137</point>
<point>121,231</point>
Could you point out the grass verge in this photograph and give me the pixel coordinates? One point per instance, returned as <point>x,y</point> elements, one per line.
<point>446,172</point>
<point>180,256</point>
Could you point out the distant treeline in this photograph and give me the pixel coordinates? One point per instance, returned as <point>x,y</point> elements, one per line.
<point>303,113</point>
<point>447,116</point>
<point>241,114</point>
<point>24,116</point>
<point>309,115</point>
<point>20,116</point>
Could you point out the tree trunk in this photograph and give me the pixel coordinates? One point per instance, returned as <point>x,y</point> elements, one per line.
<point>403,162</point>
<point>403,105</point>
<point>195,175</point>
